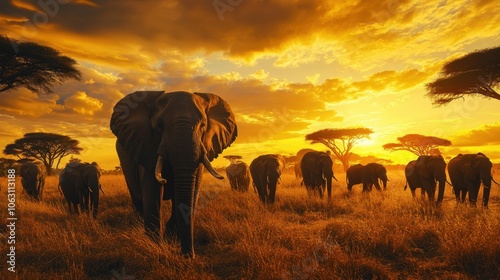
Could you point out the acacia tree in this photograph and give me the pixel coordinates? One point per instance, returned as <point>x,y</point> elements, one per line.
<point>475,74</point>
<point>33,66</point>
<point>233,158</point>
<point>46,147</point>
<point>339,141</point>
<point>417,144</point>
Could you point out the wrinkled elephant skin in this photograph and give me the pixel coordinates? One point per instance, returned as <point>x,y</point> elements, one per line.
<point>164,142</point>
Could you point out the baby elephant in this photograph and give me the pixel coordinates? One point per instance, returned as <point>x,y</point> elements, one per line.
<point>368,175</point>
<point>79,183</point>
<point>239,176</point>
<point>266,172</point>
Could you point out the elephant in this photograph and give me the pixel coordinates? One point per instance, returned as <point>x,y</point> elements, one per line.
<point>164,142</point>
<point>467,172</point>
<point>33,175</point>
<point>266,171</point>
<point>368,175</point>
<point>297,171</point>
<point>238,174</point>
<point>80,185</point>
<point>317,172</point>
<point>424,173</point>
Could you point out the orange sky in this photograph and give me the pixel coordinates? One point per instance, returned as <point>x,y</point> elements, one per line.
<point>285,69</point>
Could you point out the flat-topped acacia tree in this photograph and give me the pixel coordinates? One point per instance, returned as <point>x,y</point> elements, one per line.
<point>475,74</point>
<point>33,66</point>
<point>233,158</point>
<point>420,145</point>
<point>46,147</point>
<point>339,141</point>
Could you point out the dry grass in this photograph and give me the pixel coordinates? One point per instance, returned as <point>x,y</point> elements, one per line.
<point>385,235</point>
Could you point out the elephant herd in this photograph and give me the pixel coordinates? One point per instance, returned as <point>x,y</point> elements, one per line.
<point>466,172</point>
<point>166,140</point>
<point>78,182</point>
<point>265,171</point>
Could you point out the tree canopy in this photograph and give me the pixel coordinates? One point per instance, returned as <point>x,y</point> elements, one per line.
<point>233,158</point>
<point>475,74</point>
<point>30,65</point>
<point>46,147</point>
<point>339,141</point>
<point>417,144</point>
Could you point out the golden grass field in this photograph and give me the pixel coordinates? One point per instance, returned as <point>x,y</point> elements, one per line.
<point>380,235</point>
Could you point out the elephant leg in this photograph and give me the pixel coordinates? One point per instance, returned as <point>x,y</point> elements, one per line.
<point>320,191</point>
<point>464,194</point>
<point>486,197</point>
<point>151,193</point>
<point>377,186</point>
<point>413,193</point>
<point>171,225</point>
<point>132,173</point>
<point>365,187</point>
<point>473,192</point>
<point>272,192</point>
<point>422,193</point>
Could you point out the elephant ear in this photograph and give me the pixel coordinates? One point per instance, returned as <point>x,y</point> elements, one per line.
<point>131,124</point>
<point>221,125</point>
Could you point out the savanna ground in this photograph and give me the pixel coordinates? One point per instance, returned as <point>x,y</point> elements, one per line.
<point>381,235</point>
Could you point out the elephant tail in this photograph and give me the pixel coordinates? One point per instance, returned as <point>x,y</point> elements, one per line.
<point>406,185</point>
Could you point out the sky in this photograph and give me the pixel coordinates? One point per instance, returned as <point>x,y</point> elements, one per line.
<point>287,68</point>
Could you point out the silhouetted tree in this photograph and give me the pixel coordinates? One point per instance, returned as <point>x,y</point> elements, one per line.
<point>368,159</point>
<point>5,165</point>
<point>30,65</point>
<point>46,147</point>
<point>417,144</point>
<point>477,73</point>
<point>233,158</point>
<point>339,141</point>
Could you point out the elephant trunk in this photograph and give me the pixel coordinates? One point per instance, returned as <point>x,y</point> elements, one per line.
<point>184,211</point>
<point>185,156</point>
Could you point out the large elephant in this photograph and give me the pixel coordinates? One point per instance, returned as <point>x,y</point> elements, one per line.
<point>238,174</point>
<point>368,175</point>
<point>466,174</point>
<point>266,171</point>
<point>317,172</point>
<point>33,175</point>
<point>163,141</point>
<point>424,173</point>
<point>80,185</point>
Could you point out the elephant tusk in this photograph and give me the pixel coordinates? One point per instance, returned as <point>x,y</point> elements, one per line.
<point>90,190</point>
<point>159,167</point>
<point>210,169</point>
<point>333,176</point>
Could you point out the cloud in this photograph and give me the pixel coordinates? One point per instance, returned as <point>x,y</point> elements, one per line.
<point>486,135</point>
<point>357,34</point>
<point>82,104</point>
